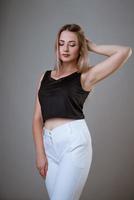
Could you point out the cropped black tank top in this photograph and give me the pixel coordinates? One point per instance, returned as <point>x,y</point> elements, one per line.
<point>63,97</point>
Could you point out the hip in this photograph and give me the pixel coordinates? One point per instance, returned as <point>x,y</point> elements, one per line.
<point>69,133</point>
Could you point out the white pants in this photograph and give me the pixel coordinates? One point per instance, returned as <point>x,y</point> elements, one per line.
<point>69,152</point>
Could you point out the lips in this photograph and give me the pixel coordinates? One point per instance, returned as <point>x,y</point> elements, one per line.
<point>66,54</point>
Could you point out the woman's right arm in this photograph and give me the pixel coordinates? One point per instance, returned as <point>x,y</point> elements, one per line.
<point>37,124</point>
<point>37,129</point>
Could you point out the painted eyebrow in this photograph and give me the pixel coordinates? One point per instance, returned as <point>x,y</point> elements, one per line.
<point>69,41</point>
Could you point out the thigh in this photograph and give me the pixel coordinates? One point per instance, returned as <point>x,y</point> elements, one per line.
<point>80,145</point>
<point>70,179</point>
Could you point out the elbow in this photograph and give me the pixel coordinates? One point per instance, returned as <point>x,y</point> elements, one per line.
<point>37,121</point>
<point>127,51</point>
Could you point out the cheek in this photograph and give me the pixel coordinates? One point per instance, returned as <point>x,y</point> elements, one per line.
<point>75,54</point>
<point>75,51</point>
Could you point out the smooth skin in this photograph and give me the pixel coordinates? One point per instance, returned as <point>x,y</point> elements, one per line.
<point>68,43</point>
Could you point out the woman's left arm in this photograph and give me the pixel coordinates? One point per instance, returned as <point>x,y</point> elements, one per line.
<point>117,56</point>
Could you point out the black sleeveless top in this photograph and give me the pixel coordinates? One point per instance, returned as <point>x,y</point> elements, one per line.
<point>63,97</point>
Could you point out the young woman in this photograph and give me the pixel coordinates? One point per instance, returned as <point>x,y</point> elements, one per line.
<point>62,138</point>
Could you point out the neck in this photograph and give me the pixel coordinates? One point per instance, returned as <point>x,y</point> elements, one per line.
<point>67,67</point>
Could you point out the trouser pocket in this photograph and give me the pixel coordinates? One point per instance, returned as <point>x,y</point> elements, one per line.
<point>80,147</point>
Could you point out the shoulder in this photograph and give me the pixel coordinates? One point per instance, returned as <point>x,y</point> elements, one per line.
<point>42,75</point>
<point>40,78</point>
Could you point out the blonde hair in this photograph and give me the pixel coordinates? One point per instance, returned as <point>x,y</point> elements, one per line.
<point>83,60</point>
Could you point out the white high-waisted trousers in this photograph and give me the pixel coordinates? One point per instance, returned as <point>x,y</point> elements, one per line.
<point>69,152</point>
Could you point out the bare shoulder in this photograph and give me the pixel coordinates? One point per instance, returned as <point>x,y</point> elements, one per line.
<point>40,79</point>
<point>85,80</point>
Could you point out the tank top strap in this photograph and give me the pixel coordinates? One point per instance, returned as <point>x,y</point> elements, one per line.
<point>46,73</point>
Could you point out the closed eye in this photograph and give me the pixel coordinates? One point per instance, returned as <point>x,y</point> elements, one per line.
<point>72,45</point>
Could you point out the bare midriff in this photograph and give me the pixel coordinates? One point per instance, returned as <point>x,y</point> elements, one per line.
<point>53,122</point>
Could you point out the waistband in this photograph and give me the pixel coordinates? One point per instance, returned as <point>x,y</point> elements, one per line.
<point>65,125</point>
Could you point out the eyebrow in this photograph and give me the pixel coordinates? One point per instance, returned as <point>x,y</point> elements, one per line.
<point>69,41</point>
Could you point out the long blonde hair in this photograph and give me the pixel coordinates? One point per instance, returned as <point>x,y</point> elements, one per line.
<point>83,60</point>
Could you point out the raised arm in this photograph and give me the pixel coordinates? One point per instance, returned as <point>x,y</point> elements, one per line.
<point>117,56</point>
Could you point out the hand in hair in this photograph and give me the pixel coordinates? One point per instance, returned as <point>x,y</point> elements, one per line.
<point>90,45</point>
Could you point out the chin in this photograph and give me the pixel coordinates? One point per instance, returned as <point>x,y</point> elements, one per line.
<point>67,59</point>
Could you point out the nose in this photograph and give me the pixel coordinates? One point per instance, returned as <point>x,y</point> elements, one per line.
<point>65,48</point>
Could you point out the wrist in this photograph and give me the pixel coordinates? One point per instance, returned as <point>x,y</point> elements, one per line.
<point>38,156</point>
<point>40,153</point>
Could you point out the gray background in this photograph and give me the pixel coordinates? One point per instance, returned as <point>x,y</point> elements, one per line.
<point>27,34</point>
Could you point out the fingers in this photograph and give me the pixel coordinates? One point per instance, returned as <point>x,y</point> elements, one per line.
<point>42,165</point>
<point>88,40</point>
<point>43,170</point>
<point>46,168</point>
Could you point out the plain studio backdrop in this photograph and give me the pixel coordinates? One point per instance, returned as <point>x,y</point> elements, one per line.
<point>27,34</point>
